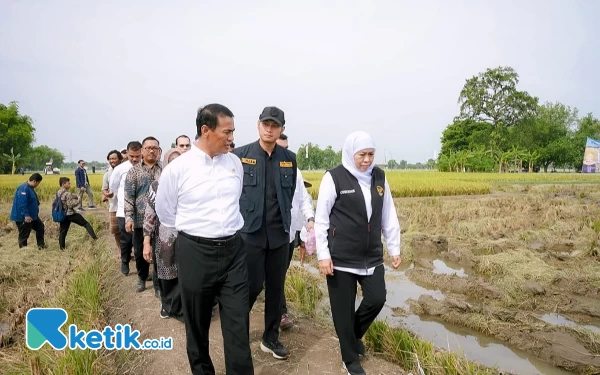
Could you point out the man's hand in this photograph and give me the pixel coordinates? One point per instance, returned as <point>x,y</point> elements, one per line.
<point>129,227</point>
<point>28,219</point>
<point>147,252</point>
<point>396,260</point>
<point>326,267</point>
<point>310,226</point>
<point>82,188</point>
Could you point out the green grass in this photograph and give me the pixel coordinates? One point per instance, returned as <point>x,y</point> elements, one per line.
<point>302,290</point>
<point>416,355</point>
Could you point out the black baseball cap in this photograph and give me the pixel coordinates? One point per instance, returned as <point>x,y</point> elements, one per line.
<point>272,113</point>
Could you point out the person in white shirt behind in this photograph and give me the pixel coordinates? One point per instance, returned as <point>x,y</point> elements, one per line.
<point>302,214</point>
<point>354,208</point>
<point>114,159</point>
<point>198,195</point>
<point>117,185</point>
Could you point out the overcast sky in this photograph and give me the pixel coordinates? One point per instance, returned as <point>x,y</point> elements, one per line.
<point>97,74</point>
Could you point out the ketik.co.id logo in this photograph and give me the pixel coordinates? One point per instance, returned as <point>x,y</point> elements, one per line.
<point>43,325</point>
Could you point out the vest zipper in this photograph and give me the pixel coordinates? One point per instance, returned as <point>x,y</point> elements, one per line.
<point>368,244</point>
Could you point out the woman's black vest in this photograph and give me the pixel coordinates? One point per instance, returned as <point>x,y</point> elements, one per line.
<point>354,241</point>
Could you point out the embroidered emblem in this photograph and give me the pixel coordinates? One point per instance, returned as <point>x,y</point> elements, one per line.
<point>285,164</point>
<point>347,191</point>
<point>249,161</point>
<point>380,191</point>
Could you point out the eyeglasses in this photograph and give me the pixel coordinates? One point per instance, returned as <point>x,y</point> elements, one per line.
<point>153,149</point>
<point>188,145</point>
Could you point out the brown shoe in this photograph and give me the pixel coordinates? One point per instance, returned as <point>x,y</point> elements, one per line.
<point>286,322</point>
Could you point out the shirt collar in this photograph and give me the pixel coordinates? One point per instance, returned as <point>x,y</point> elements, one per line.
<point>203,156</point>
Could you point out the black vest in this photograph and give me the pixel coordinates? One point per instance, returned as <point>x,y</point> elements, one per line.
<point>355,242</point>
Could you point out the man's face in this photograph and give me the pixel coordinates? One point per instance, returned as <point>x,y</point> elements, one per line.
<point>283,143</point>
<point>113,160</point>
<point>82,164</point>
<point>150,151</point>
<point>218,141</point>
<point>134,156</point>
<point>269,131</point>
<point>183,144</point>
<point>35,184</point>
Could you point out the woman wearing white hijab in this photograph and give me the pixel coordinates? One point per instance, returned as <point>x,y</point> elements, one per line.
<point>354,208</point>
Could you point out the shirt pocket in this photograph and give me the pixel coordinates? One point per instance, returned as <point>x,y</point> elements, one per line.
<point>287,177</point>
<point>249,175</point>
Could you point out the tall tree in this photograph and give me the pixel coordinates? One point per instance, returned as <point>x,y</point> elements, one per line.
<point>465,135</point>
<point>493,97</point>
<point>16,132</point>
<point>40,155</point>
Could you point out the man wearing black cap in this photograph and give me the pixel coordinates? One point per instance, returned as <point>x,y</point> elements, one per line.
<point>265,204</point>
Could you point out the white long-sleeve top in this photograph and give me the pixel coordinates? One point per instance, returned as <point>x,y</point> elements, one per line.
<point>200,195</point>
<point>302,207</point>
<point>389,221</point>
<point>117,184</point>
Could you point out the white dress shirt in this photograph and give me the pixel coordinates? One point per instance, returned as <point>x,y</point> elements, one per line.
<point>389,221</point>
<point>302,207</point>
<point>117,184</point>
<point>200,195</point>
<point>112,202</point>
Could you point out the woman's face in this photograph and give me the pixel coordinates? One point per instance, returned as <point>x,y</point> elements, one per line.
<point>364,158</point>
<point>173,156</point>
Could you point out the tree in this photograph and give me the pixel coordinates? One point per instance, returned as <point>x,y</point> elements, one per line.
<point>465,135</point>
<point>492,97</point>
<point>13,159</point>
<point>392,164</point>
<point>16,132</point>
<point>40,155</point>
<point>403,164</point>
<point>317,158</point>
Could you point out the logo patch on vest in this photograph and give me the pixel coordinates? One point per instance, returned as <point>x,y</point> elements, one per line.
<point>380,191</point>
<point>285,164</point>
<point>347,191</point>
<point>249,161</point>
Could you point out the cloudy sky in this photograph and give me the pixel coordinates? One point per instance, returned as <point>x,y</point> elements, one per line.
<point>97,74</point>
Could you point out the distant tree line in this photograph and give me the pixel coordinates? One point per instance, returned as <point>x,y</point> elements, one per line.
<point>17,135</point>
<point>502,129</point>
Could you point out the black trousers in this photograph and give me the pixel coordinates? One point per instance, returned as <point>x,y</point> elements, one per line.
<point>292,246</point>
<point>268,267</point>
<point>126,241</point>
<point>143,267</point>
<point>155,281</point>
<point>205,272</point>
<point>25,230</point>
<point>170,296</point>
<point>351,325</point>
<point>66,224</point>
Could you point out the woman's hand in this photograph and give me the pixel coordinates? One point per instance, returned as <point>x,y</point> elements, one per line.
<point>396,260</point>
<point>326,267</point>
<point>148,252</point>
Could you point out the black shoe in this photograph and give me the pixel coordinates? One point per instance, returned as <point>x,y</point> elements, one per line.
<point>80,209</point>
<point>42,247</point>
<point>354,368</point>
<point>275,348</point>
<point>125,268</point>
<point>164,314</point>
<point>92,207</point>
<point>141,285</point>
<point>361,348</point>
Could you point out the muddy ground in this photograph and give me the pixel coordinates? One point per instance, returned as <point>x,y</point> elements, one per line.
<point>521,266</point>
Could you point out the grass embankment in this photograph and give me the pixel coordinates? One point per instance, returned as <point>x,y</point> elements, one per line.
<point>76,280</point>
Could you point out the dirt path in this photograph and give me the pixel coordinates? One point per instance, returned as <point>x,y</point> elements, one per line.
<point>314,349</point>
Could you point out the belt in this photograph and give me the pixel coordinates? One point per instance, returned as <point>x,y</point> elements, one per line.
<point>213,242</point>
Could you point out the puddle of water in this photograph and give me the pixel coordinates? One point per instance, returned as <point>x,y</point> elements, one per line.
<point>560,320</point>
<point>400,289</point>
<point>440,267</point>
<point>475,346</point>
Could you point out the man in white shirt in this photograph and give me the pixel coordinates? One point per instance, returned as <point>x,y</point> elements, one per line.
<point>114,159</point>
<point>198,195</point>
<point>302,213</point>
<point>117,185</point>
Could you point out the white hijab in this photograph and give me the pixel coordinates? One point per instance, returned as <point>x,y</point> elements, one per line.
<point>354,143</point>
